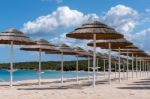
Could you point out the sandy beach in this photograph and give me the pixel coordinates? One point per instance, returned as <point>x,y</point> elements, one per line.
<point>138,88</point>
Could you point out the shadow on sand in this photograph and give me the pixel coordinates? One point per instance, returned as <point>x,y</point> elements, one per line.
<point>143,84</point>
<point>29,86</point>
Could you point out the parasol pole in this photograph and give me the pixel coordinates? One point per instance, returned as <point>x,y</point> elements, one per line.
<point>104,68</point>
<point>88,68</point>
<point>11,64</point>
<point>143,67</point>
<point>119,66</point>
<point>123,71</point>
<point>136,66</point>
<point>109,63</point>
<point>127,65</point>
<point>97,65</point>
<point>115,69</point>
<point>94,59</point>
<point>132,65</point>
<point>138,62</point>
<point>147,67</point>
<point>62,68</point>
<point>140,65</point>
<point>77,67</point>
<point>40,54</point>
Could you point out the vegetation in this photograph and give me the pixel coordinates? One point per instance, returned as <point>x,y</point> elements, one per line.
<point>56,65</point>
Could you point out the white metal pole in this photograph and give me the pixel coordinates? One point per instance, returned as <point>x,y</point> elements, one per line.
<point>11,64</point>
<point>123,71</point>
<point>127,65</point>
<point>136,66</point>
<point>109,63</point>
<point>97,65</point>
<point>147,67</point>
<point>115,70</point>
<point>39,67</point>
<point>119,66</point>
<point>62,68</point>
<point>88,68</point>
<point>140,66</point>
<point>77,67</point>
<point>104,68</point>
<point>132,66</point>
<point>94,59</point>
<point>143,68</point>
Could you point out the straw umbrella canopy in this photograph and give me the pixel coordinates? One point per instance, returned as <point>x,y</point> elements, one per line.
<point>40,46</point>
<point>81,52</point>
<point>115,44</point>
<point>13,37</point>
<point>63,49</point>
<point>94,31</point>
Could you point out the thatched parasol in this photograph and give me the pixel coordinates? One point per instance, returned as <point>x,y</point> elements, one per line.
<point>13,37</point>
<point>115,44</point>
<point>94,30</point>
<point>63,49</point>
<point>127,49</point>
<point>40,45</point>
<point>134,53</point>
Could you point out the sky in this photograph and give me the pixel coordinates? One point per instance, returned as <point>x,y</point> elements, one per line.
<point>52,19</point>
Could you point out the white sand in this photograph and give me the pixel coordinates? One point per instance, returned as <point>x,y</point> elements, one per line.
<point>138,88</point>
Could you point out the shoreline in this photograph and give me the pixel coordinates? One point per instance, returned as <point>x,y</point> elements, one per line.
<point>52,89</point>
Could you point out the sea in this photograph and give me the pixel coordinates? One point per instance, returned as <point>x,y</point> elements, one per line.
<point>19,75</point>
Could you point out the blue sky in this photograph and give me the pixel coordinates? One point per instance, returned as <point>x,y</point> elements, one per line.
<point>51,19</point>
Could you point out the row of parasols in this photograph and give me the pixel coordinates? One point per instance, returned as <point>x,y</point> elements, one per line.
<point>101,35</point>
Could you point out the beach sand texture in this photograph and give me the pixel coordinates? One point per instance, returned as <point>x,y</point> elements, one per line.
<point>138,88</point>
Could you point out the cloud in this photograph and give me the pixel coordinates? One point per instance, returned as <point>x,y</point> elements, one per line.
<point>147,10</point>
<point>142,39</point>
<point>122,18</point>
<point>74,43</point>
<point>69,41</point>
<point>63,17</point>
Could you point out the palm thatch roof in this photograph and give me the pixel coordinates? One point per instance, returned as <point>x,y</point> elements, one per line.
<point>114,43</point>
<point>18,37</point>
<point>40,44</point>
<point>102,31</point>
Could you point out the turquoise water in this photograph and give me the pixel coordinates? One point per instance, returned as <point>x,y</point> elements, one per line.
<point>31,74</point>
